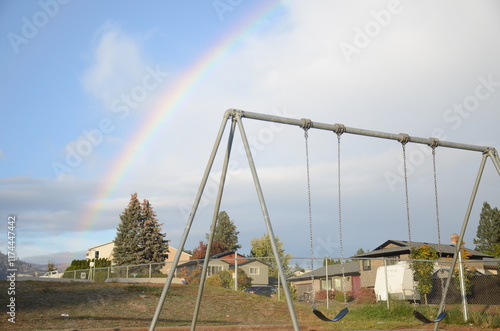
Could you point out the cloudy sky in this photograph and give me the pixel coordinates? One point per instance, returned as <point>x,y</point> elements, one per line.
<point>101,100</point>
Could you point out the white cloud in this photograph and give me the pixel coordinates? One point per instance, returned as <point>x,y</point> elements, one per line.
<point>117,64</point>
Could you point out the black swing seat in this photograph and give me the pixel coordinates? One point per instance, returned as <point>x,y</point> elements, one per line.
<point>424,319</point>
<point>339,316</point>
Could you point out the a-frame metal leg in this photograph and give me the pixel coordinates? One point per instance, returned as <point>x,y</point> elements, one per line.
<point>189,223</point>
<point>461,236</point>
<point>265,213</point>
<point>212,227</point>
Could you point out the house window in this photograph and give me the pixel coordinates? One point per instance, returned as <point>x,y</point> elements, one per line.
<point>392,260</point>
<point>326,285</point>
<point>96,254</point>
<point>337,284</point>
<point>367,264</point>
<point>253,271</point>
<point>212,270</point>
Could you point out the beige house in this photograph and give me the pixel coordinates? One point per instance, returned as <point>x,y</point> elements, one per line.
<point>106,251</point>
<point>327,278</point>
<point>258,271</point>
<point>101,251</point>
<point>394,250</point>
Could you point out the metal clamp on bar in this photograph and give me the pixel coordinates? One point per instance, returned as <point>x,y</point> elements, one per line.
<point>404,138</point>
<point>434,142</point>
<point>307,124</point>
<point>339,129</point>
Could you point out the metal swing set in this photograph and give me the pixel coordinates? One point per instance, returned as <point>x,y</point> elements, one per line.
<point>236,117</point>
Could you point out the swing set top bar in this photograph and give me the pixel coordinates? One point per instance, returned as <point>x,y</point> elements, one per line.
<point>370,133</point>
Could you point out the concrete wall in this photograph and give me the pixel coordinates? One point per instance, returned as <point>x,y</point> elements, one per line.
<point>145,280</point>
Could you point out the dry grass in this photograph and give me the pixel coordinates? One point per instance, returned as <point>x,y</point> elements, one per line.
<point>39,306</point>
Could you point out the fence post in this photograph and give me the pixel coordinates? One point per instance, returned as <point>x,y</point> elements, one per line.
<point>386,284</point>
<point>109,269</point>
<point>127,273</point>
<point>150,270</point>
<point>74,274</point>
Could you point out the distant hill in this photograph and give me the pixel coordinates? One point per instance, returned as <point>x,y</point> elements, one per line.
<point>21,266</point>
<point>64,257</point>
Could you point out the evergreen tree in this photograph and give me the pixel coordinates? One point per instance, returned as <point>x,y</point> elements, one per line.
<point>488,231</point>
<point>127,246</point>
<point>361,251</point>
<point>152,244</point>
<point>225,232</point>
<point>138,236</point>
<point>262,250</point>
<point>330,261</point>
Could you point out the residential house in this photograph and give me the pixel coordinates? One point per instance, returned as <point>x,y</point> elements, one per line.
<point>257,270</point>
<point>106,251</point>
<point>328,278</point>
<point>101,251</point>
<point>392,251</point>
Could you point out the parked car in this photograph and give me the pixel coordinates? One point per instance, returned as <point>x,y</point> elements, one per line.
<point>52,274</point>
<point>267,291</point>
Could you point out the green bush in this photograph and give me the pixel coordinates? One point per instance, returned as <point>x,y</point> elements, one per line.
<point>214,280</point>
<point>77,267</point>
<point>343,297</point>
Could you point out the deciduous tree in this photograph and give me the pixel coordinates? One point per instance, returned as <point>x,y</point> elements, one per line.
<point>262,250</point>
<point>423,270</point>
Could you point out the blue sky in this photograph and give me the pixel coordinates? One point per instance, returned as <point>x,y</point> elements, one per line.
<point>422,68</point>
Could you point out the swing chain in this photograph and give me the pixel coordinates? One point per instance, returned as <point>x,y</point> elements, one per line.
<point>433,145</point>
<point>405,138</point>
<point>306,126</point>
<point>342,261</point>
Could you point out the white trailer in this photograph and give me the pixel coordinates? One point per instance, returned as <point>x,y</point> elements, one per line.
<point>397,282</point>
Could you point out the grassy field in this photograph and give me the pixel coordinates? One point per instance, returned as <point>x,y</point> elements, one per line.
<point>41,305</point>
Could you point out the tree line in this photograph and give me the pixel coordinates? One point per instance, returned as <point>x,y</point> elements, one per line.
<point>139,238</point>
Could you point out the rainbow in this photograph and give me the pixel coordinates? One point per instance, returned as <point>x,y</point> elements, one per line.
<point>171,103</point>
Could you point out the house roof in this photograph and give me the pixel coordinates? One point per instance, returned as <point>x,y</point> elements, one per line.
<point>350,268</point>
<point>111,242</point>
<point>491,263</point>
<point>220,256</point>
<point>404,247</point>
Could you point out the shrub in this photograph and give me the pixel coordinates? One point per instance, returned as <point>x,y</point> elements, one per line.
<point>343,297</point>
<point>191,275</point>
<point>365,295</point>
<point>321,295</point>
<point>215,280</point>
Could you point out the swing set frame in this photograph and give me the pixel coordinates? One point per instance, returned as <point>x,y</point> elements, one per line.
<point>236,117</point>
